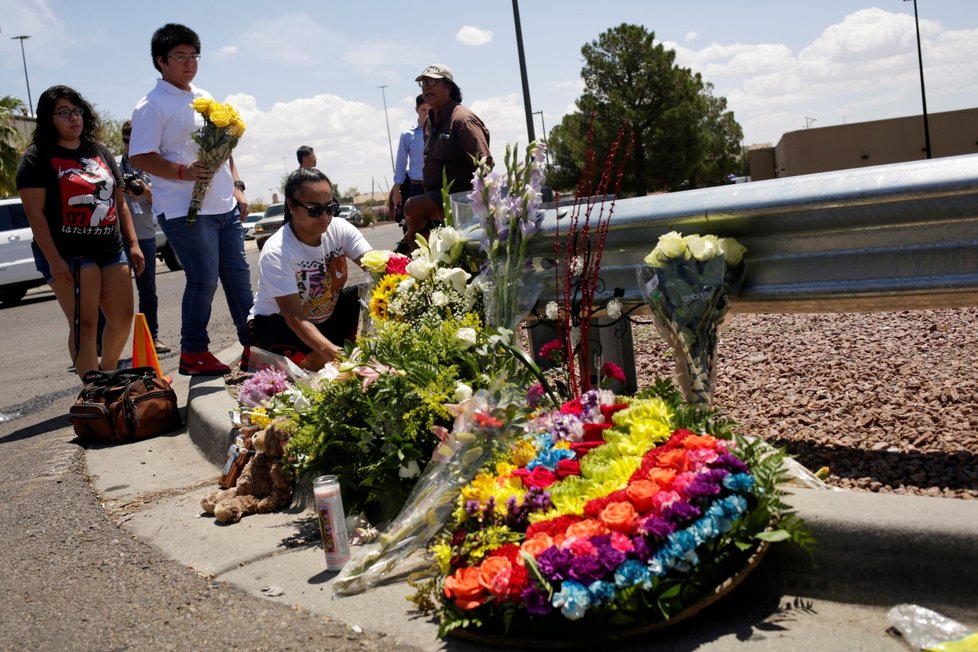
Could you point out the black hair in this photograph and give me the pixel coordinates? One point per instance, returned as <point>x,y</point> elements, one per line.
<point>126,127</point>
<point>418,101</point>
<point>456,92</point>
<point>303,152</point>
<point>45,134</point>
<point>298,179</point>
<point>170,36</point>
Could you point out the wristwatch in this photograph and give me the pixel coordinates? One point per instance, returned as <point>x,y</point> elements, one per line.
<point>239,184</point>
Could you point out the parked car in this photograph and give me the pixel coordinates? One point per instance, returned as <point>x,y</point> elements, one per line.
<point>249,224</point>
<point>351,214</point>
<point>271,222</point>
<point>17,271</point>
<point>164,251</point>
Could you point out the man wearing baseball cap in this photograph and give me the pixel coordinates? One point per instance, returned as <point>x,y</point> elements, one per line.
<point>453,136</point>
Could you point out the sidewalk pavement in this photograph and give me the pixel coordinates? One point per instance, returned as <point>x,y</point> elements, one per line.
<point>874,551</point>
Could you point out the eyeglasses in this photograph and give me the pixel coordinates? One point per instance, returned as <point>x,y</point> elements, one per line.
<point>315,210</point>
<point>428,81</point>
<point>184,58</point>
<point>66,114</point>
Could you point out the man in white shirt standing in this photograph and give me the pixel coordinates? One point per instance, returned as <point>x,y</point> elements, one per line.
<point>213,248</point>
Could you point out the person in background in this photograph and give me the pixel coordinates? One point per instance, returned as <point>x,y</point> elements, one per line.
<point>138,191</point>
<point>302,308</point>
<point>71,189</point>
<point>453,135</point>
<point>408,179</point>
<point>306,156</point>
<point>211,249</point>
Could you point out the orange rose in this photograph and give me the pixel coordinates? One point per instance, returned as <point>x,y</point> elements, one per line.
<point>494,574</point>
<point>536,545</point>
<point>675,459</point>
<point>464,587</point>
<point>699,441</point>
<point>662,478</point>
<point>619,516</point>
<point>586,528</point>
<point>640,493</point>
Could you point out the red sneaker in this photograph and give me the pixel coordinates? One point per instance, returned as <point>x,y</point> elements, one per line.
<point>202,364</point>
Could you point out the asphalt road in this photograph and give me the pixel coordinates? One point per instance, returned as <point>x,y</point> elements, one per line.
<point>72,579</point>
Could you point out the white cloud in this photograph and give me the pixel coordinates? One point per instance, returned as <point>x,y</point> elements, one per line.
<point>470,35</point>
<point>228,50</point>
<point>691,36</point>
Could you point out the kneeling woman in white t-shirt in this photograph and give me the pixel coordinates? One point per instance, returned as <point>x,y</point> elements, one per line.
<point>301,306</point>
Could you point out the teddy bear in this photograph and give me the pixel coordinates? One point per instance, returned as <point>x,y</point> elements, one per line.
<point>264,485</point>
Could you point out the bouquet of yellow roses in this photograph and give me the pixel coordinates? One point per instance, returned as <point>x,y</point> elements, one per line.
<point>222,130</point>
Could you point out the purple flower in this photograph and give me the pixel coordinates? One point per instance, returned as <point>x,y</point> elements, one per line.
<point>610,557</point>
<point>537,602</point>
<point>554,564</point>
<point>731,463</point>
<point>658,528</point>
<point>680,512</point>
<point>586,569</point>
<point>700,488</point>
<point>643,548</point>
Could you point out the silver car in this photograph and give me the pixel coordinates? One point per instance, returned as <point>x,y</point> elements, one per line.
<point>17,271</point>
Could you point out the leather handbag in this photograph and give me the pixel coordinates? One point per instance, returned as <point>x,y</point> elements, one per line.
<point>125,405</point>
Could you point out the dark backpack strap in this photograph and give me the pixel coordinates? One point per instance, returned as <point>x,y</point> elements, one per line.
<point>76,275</point>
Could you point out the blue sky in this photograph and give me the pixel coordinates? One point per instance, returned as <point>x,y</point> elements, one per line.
<point>309,73</point>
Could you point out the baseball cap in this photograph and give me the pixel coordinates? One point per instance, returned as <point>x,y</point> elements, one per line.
<point>436,71</point>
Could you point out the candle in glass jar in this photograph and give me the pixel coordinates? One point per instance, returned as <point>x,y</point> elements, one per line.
<point>332,521</point>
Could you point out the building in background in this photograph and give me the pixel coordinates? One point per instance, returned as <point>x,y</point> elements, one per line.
<point>862,144</point>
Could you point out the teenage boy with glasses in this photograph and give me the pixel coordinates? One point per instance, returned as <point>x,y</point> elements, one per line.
<point>213,249</point>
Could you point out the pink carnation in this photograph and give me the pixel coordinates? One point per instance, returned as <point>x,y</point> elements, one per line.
<point>397,264</point>
<point>613,371</point>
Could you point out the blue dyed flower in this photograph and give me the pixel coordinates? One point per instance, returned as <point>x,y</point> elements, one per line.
<point>601,592</point>
<point>573,600</point>
<point>741,483</point>
<point>633,572</point>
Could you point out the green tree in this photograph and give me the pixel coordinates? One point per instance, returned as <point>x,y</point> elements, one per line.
<point>11,144</point>
<point>670,111</point>
<point>110,133</point>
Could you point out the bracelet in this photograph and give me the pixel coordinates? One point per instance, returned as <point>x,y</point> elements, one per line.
<point>180,171</point>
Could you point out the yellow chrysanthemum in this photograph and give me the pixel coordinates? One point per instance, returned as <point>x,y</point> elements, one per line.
<point>481,487</point>
<point>563,444</point>
<point>443,556</point>
<point>260,418</point>
<point>522,453</point>
<point>505,468</point>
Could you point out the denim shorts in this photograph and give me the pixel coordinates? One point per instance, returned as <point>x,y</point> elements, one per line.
<point>41,263</point>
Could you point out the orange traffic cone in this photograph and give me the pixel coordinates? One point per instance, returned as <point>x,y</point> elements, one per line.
<point>143,347</point>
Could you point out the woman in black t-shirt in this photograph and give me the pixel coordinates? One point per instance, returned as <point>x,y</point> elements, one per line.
<point>72,193</point>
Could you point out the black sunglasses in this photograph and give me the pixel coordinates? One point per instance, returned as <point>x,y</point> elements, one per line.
<point>315,210</point>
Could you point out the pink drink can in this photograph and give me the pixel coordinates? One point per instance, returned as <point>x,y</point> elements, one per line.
<point>332,521</point>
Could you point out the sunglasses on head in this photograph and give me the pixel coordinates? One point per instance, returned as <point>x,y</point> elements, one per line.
<point>315,210</point>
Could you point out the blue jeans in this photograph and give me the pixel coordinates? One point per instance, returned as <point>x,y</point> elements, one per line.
<point>146,286</point>
<point>212,249</point>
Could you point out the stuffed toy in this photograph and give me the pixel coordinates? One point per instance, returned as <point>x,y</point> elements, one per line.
<point>264,485</point>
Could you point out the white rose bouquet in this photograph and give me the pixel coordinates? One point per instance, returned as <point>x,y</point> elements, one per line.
<point>687,282</point>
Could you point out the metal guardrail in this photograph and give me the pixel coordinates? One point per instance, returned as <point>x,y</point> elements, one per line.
<point>890,237</point>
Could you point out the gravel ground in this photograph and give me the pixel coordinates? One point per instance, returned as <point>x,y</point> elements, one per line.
<point>887,401</point>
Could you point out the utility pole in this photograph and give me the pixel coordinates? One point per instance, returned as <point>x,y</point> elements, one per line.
<point>527,106</point>
<point>390,144</point>
<point>923,93</point>
<point>30,101</point>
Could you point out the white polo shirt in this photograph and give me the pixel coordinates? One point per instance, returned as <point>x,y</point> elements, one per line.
<point>161,124</point>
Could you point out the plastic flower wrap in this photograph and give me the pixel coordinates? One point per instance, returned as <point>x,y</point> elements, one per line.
<point>222,130</point>
<point>687,282</point>
<point>600,517</point>
<point>474,439</point>
<point>508,212</point>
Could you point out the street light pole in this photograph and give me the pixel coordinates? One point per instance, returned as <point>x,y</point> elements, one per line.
<point>30,101</point>
<point>923,93</point>
<point>527,106</point>
<point>390,144</point>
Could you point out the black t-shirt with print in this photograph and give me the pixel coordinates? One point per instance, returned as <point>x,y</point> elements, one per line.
<point>79,197</point>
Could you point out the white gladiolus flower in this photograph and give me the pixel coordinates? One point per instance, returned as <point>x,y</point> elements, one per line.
<point>552,310</point>
<point>614,309</point>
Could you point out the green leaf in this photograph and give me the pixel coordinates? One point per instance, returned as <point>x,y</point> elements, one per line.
<point>773,536</point>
